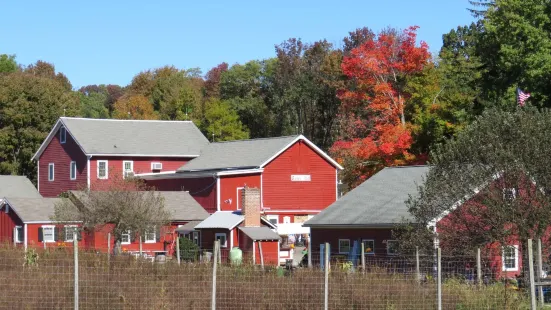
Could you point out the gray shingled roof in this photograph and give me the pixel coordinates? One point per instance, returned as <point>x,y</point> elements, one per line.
<point>172,138</point>
<point>17,187</point>
<point>260,233</point>
<point>377,202</point>
<point>180,204</point>
<point>237,154</point>
<point>34,209</point>
<point>221,219</point>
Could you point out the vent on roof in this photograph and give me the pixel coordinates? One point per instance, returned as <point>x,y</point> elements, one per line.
<point>156,166</point>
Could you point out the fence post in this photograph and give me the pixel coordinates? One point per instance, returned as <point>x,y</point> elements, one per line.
<point>540,272</point>
<point>531,275</point>
<point>439,272</point>
<point>309,252</point>
<point>363,257</point>
<point>215,264</point>
<point>178,249</point>
<point>417,268</point>
<point>141,252</point>
<point>108,246</point>
<point>326,260</point>
<point>478,267</point>
<point>261,255</point>
<point>75,251</point>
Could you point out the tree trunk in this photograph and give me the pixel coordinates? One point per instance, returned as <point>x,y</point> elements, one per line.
<point>402,116</point>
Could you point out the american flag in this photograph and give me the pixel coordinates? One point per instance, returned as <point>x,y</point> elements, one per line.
<point>522,97</point>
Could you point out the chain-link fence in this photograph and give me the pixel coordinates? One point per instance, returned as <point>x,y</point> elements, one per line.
<point>46,279</point>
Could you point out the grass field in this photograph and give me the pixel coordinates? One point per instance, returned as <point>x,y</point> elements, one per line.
<point>46,282</point>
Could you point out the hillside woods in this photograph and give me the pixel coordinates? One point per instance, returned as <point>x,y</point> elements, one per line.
<point>378,99</point>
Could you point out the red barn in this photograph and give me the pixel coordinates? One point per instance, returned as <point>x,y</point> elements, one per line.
<point>296,179</point>
<point>370,212</point>
<point>245,229</point>
<point>80,151</point>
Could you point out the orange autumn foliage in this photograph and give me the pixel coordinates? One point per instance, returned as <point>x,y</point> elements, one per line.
<point>375,129</point>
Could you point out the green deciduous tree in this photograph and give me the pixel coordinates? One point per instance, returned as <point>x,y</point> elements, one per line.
<point>30,104</point>
<point>8,63</point>
<point>221,122</point>
<point>493,180</point>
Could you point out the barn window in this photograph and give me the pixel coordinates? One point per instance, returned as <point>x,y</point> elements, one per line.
<point>510,258</point>
<point>392,247</point>
<point>344,246</point>
<point>274,219</point>
<point>18,234</point>
<point>68,231</point>
<point>62,135</point>
<point>127,168</point>
<point>103,170</point>
<point>222,237</point>
<point>150,236</point>
<point>48,234</point>
<point>286,219</point>
<point>73,170</point>
<point>51,171</point>
<point>369,246</point>
<point>509,194</point>
<point>125,237</point>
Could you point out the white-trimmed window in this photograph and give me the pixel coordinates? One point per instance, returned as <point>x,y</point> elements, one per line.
<point>62,135</point>
<point>103,169</point>
<point>150,236</point>
<point>125,238</point>
<point>286,219</point>
<point>369,246</point>
<point>127,168</point>
<point>51,171</point>
<point>392,247</point>
<point>68,231</point>
<point>344,246</point>
<point>509,194</point>
<point>18,234</point>
<point>222,237</point>
<point>273,218</point>
<point>48,233</point>
<point>73,170</point>
<point>510,258</point>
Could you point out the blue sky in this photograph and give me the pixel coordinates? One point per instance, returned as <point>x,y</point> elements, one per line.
<point>108,42</point>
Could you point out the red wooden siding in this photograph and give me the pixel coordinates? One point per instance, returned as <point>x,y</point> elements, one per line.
<point>8,221</point>
<point>229,190</point>
<point>202,189</point>
<point>141,165</point>
<point>61,156</point>
<point>280,193</point>
<point>270,252</point>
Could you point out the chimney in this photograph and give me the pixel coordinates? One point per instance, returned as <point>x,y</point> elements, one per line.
<point>250,198</point>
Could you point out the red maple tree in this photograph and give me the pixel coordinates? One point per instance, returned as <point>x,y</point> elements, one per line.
<point>375,130</point>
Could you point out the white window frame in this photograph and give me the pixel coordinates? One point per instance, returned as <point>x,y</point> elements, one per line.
<point>349,246</point>
<point>286,220</point>
<point>16,234</point>
<point>106,169</point>
<point>44,227</point>
<point>503,267</point>
<point>149,233</point>
<point>73,171</point>
<point>271,217</point>
<point>62,135</point>
<point>68,237</point>
<point>129,239</point>
<point>238,196</point>
<point>51,172</point>
<point>216,235</point>
<point>372,248</point>
<point>388,242</point>
<point>124,171</point>
<point>512,191</point>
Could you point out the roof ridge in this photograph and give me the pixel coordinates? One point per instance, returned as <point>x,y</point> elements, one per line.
<point>125,120</point>
<point>256,139</point>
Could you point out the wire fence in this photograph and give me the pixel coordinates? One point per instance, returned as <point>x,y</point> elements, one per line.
<point>45,279</point>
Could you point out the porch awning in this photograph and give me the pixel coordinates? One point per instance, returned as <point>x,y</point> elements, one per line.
<point>292,229</point>
<point>188,227</point>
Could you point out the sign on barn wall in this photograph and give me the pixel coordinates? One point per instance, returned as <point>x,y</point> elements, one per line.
<point>301,178</point>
